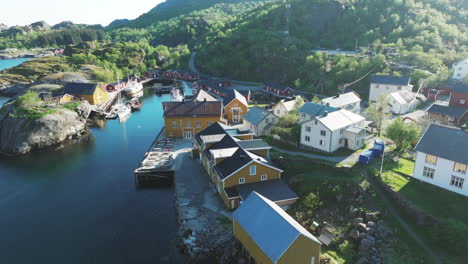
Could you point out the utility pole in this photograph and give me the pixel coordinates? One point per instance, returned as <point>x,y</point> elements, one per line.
<point>381,163</point>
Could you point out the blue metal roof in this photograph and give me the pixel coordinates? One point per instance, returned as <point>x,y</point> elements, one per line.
<point>388,79</point>
<point>269,226</point>
<point>315,109</point>
<point>255,115</point>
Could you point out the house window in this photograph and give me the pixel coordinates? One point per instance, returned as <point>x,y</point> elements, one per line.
<point>174,124</point>
<point>322,142</point>
<point>341,131</point>
<point>188,124</point>
<point>171,134</point>
<point>377,86</point>
<point>268,120</point>
<point>428,173</point>
<point>307,128</point>
<point>462,101</point>
<point>209,123</point>
<point>431,159</point>
<point>264,177</point>
<point>450,118</point>
<point>315,121</point>
<point>253,170</point>
<point>399,87</point>
<point>323,133</point>
<point>278,111</point>
<point>241,180</point>
<point>198,124</point>
<point>387,87</point>
<point>459,167</point>
<point>303,115</point>
<point>307,138</point>
<point>457,182</point>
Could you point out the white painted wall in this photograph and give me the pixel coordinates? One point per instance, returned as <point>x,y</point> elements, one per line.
<point>460,69</point>
<point>279,109</point>
<point>377,89</point>
<point>401,109</point>
<point>353,107</point>
<point>315,136</point>
<point>442,175</point>
<point>259,130</point>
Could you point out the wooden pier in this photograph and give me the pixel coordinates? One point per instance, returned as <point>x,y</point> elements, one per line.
<point>157,164</point>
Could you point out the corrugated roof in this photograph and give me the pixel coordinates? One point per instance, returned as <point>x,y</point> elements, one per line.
<point>403,97</point>
<point>239,159</point>
<point>314,109</point>
<point>192,108</point>
<point>342,99</point>
<point>274,190</point>
<point>234,94</point>
<point>269,226</point>
<point>256,115</point>
<point>445,142</point>
<point>460,87</point>
<point>204,96</point>
<point>447,110</point>
<point>353,129</point>
<point>340,119</point>
<point>80,88</point>
<point>214,129</point>
<point>388,79</point>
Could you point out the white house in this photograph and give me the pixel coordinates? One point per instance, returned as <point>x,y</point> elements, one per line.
<point>402,102</point>
<point>442,158</point>
<point>311,110</point>
<point>284,106</point>
<point>386,84</point>
<point>335,130</point>
<point>460,69</point>
<point>259,121</point>
<point>349,101</point>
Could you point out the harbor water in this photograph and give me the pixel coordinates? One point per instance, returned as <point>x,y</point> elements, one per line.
<point>5,64</point>
<point>79,204</point>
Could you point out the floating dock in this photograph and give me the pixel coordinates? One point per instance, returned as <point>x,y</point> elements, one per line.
<point>158,163</point>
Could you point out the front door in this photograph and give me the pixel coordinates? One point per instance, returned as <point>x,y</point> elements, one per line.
<point>188,134</point>
<point>233,204</point>
<point>235,115</point>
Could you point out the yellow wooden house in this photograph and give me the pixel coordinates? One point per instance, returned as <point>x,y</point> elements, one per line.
<point>186,119</point>
<point>272,236</point>
<point>235,107</point>
<point>92,92</point>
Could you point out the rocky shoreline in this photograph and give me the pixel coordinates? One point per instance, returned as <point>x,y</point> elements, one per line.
<point>10,54</point>
<point>205,230</point>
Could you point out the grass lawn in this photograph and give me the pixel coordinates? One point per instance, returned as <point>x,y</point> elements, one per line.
<point>259,105</point>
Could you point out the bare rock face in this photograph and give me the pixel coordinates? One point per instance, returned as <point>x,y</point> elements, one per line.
<point>20,135</point>
<point>40,25</point>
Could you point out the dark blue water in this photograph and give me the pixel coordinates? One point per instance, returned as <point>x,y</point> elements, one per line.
<point>4,64</point>
<point>80,204</point>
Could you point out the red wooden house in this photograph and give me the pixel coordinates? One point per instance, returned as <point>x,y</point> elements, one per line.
<point>447,114</point>
<point>459,95</point>
<point>153,73</point>
<point>278,89</point>
<point>118,85</point>
<point>433,95</point>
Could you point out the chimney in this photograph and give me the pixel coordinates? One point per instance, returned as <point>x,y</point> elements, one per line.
<point>204,99</point>
<point>258,159</point>
<point>325,113</point>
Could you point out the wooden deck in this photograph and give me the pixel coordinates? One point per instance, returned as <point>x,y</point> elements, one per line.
<point>157,163</point>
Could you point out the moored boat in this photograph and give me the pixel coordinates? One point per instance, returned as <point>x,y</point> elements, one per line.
<point>133,87</point>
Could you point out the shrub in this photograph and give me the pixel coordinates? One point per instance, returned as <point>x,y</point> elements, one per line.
<point>310,204</point>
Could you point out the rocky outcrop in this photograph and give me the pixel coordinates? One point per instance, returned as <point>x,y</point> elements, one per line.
<point>19,135</point>
<point>40,26</point>
<point>3,27</point>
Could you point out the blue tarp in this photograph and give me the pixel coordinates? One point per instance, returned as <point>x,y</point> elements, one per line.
<point>378,148</point>
<point>366,157</point>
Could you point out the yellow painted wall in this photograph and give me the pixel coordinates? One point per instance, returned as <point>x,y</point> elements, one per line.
<point>233,104</point>
<point>254,250</point>
<point>181,122</point>
<point>244,137</point>
<point>245,173</point>
<point>301,252</point>
<point>100,96</point>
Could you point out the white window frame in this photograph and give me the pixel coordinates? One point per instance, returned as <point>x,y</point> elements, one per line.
<point>307,138</point>
<point>174,124</point>
<point>462,101</point>
<point>241,180</point>
<point>429,155</point>
<point>254,167</point>
<point>307,128</point>
<point>188,124</point>
<point>322,141</point>
<point>198,124</point>
<point>457,182</point>
<point>428,172</point>
<point>323,133</point>
<point>209,123</point>
<point>460,164</point>
<point>264,177</point>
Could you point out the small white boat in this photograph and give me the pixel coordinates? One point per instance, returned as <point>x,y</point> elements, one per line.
<point>124,113</point>
<point>133,87</point>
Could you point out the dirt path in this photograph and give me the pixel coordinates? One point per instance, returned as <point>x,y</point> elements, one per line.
<point>403,223</point>
<point>335,159</point>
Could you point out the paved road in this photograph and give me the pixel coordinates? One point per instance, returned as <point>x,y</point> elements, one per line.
<point>402,222</point>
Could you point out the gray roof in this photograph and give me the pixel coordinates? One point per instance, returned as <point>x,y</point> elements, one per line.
<point>446,110</point>
<point>80,88</point>
<point>445,142</point>
<point>274,190</point>
<point>253,144</point>
<point>460,87</point>
<point>388,79</point>
<point>314,109</point>
<point>269,226</point>
<point>256,115</point>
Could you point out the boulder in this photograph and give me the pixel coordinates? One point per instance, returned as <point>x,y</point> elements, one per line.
<point>370,224</point>
<point>20,135</point>
<point>366,245</point>
<point>357,221</point>
<point>354,234</point>
<point>372,216</point>
<point>361,227</point>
